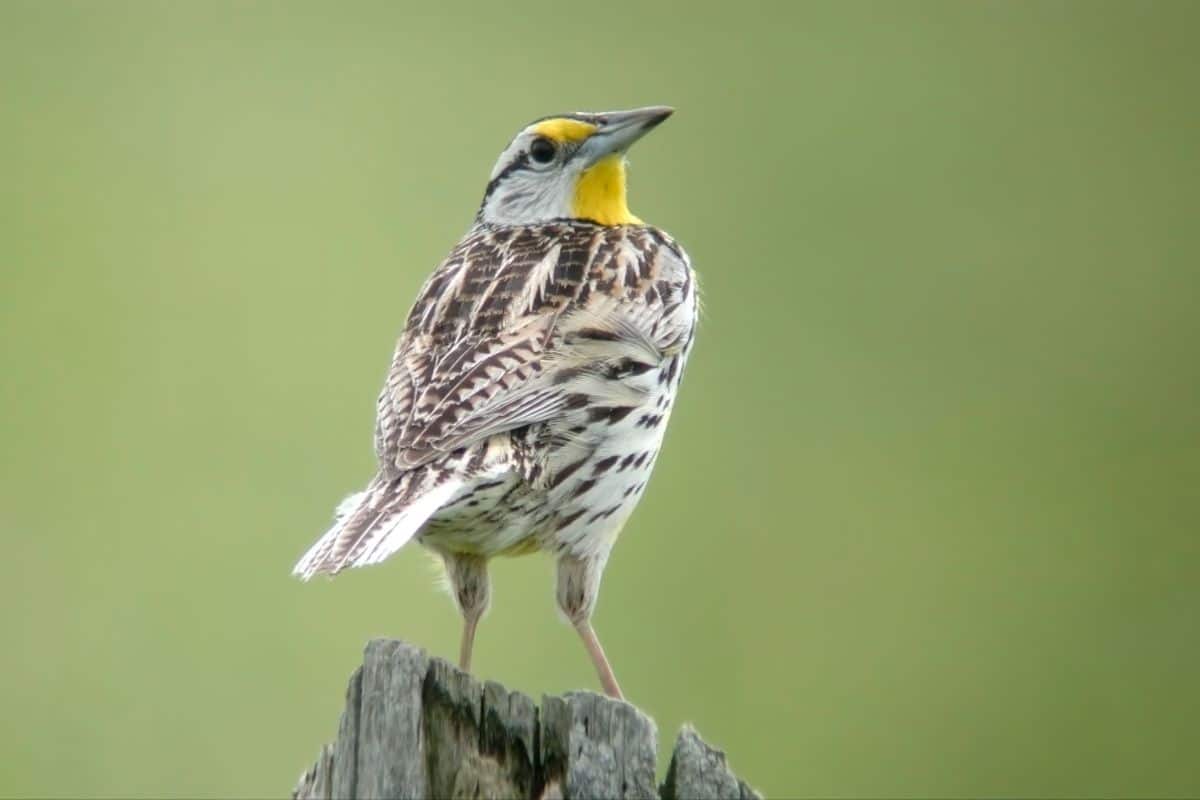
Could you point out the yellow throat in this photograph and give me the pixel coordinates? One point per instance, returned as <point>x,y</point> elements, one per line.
<point>600,193</point>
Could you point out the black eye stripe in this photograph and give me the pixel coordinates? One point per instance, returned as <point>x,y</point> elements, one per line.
<point>523,160</point>
<point>520,162</point>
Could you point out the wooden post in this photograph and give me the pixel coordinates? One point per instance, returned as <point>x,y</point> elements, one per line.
<point>416,727</point>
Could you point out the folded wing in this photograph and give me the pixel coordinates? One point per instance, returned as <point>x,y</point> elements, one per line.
<point>514,330</point>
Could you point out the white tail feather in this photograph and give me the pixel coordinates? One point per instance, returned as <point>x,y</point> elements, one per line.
<point>389,529</point>
<point>309,563</point>
<point>403,527</point>
<point>346,506</point>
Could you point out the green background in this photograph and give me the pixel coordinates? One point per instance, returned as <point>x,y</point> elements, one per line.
<point>926,521</point>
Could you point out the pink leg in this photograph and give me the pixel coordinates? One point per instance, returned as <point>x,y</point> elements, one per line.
<point>590,641</point>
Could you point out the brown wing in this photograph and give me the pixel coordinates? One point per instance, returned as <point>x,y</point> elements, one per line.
<point>514,329</point>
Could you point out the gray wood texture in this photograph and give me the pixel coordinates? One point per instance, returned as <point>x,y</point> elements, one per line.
<point>417,727</point>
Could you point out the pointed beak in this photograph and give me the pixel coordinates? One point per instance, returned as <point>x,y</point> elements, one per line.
<point>617,130</point>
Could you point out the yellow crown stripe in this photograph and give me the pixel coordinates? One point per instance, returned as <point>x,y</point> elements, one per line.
<point>564,129</point>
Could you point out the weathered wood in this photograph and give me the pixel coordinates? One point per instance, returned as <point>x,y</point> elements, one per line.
<point>593,746</point>
<point>416,727</point>
<point>701,772</point>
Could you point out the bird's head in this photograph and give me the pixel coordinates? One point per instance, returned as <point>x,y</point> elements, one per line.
<point>568,167</point>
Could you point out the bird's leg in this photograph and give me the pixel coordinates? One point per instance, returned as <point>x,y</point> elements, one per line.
<point>590,641</point>
<point>468,643</point>
<point>471,589</point>
<point>578,586</point>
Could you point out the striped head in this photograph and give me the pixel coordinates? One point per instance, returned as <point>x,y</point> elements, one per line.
<point>568,167</point>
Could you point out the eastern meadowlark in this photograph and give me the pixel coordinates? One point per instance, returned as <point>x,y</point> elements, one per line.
<point>531,386</point>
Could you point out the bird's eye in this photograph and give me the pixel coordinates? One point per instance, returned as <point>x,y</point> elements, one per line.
<point>542,150</point>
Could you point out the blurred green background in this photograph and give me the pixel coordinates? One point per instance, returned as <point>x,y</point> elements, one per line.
<point>927,521</point>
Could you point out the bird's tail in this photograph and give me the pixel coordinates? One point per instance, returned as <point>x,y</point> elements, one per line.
<point>371,525</point>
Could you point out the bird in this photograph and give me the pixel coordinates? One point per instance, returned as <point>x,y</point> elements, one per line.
<point>529,391</point>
